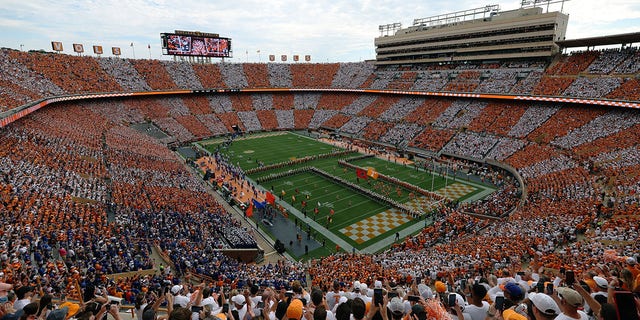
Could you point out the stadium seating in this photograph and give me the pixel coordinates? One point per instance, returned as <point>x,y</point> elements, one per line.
<point>78,176</point>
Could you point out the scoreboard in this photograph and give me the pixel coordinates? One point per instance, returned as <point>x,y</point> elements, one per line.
<point>197,44</point>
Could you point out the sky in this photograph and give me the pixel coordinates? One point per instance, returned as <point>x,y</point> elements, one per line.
<point>328,31</point>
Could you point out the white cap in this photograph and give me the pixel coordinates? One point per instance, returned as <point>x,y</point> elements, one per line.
<point>544,303</point>
<point>238,299</point>
<point>176,289</point>
<point>396,305</point>
<point>601,282</point>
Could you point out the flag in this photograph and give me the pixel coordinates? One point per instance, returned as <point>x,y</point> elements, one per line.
<point>132,44</point>
<point>361,173</point>
<point>371,172</point>
<point>250,210</point>
<point>259,205</point>
<point>149,46</point>
<point>270,198</point>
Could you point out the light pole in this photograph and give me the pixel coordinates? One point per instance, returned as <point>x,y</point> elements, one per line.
<point>21,46</point>
<point>133,49</point>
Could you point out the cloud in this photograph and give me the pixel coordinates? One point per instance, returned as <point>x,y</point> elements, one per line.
<point>338,30</point>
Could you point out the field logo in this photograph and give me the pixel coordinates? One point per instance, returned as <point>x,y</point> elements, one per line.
<point>326,204</point>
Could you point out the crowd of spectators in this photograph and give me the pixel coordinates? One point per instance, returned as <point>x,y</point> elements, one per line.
<point>279,75</point>
<point>499,81</point>
<point>471,144</point>
<point>359,104</point>
<point>630,65</point>
<point>574,63</point>
<point>283,101</point>
<point>628,90</point>
<point>257,76</point>
<point>233,75</point>
<point>602,126</point>
<point>285,119</point>
<point>551,86</point>
<point>20,85</point>
<point>250,120</point>
<point>154,74</point>
<point>210,76</point>
<point>182,75</point>
<point>242,102</point>
<point>591,87</point>
<point>566,119</point>
<point>213,123</point>
<point>303,118</point>
<point>319,75</point>
<point>172,127</point>
<point>335,101</point>
<point>268,119</point>
<point>262,102</point>
<point>352,74</point>
<point>401,133</point>
<point>337,121</point>
<point>608,60</point>
<point>504,148</point>
<point>355,125</point>
<point>430,81</point>
<point>87,195</point>
<point>532,118</point>
<point>526,85</point>
<point>306,100</point>
<point>460,113</point>
<point>432,139</point>
<point>400,109</point>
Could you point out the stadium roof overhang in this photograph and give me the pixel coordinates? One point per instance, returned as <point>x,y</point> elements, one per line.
<point>623,38</point>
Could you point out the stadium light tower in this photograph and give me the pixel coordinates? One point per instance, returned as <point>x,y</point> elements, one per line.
<point>21,47</point>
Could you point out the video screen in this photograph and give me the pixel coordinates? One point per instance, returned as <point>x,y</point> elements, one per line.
<point>197,46</point>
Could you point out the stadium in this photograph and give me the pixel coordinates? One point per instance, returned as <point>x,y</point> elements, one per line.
<point>474,154</point>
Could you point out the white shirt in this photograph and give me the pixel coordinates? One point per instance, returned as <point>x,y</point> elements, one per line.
<point>140,311</point>
<point>19,304</point>
<point>331,300</point>
<point>181,300</point>
<point>477,313</point>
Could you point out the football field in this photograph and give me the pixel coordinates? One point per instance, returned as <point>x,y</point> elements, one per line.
<point>315,180</point>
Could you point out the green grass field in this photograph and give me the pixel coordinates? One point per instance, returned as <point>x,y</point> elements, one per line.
<point>349,205</point>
